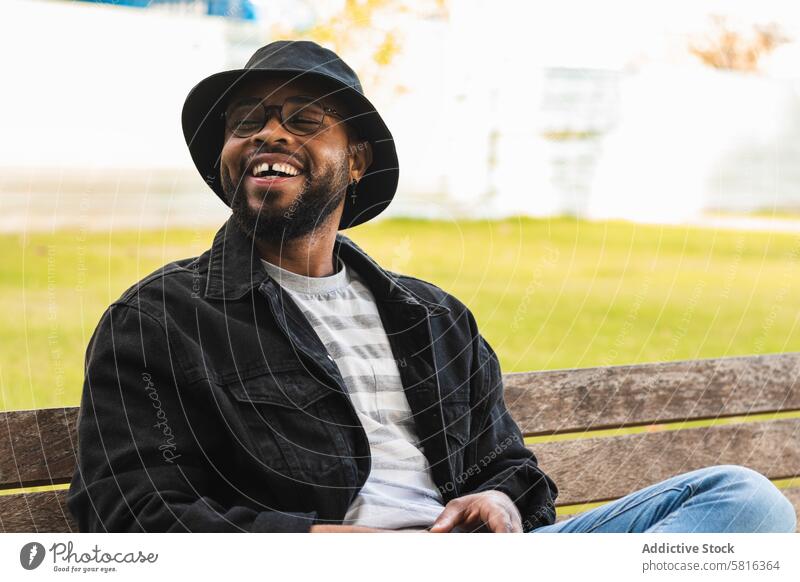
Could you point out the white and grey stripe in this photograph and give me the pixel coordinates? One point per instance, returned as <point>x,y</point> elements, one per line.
<point>399,492</point>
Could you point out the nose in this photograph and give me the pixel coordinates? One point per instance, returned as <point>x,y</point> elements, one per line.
<point>272,129</point>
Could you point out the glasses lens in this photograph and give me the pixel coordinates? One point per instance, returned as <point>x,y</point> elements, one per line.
<point>301,115</point>
<point>245,118</point>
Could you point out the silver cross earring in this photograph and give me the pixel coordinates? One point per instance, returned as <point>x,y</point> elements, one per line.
<point>351,190</point>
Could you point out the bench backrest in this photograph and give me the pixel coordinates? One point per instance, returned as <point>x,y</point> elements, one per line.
<point>563,413</point>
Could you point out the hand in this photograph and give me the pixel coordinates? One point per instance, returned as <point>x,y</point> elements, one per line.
<point>492,510</point>
<point>321,528</point>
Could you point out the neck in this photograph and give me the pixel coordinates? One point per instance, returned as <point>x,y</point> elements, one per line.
<point>310,256</point>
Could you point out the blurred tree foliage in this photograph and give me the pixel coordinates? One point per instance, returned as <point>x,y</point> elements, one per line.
<point>727,48</point>
<point>369,34</point>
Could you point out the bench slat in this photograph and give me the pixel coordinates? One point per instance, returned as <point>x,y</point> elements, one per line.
<point>36,447</point>
<point>598,469</point>
<point>592,398</point>
<point>541,402</point>
<point>44,511</point>
<point>47,512</point>
<point>578,466</point>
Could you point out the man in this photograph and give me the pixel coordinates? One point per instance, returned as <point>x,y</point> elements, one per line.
<point>284,381</point>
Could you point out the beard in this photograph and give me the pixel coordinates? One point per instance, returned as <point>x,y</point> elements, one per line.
<point>318,198</point>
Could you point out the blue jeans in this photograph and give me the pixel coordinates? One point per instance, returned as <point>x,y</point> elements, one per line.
<point>720,499</point>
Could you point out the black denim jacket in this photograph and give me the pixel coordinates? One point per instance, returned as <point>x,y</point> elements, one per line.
<point>210,404</point>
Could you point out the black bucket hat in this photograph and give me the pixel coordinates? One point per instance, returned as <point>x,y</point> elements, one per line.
<point>203,126</point>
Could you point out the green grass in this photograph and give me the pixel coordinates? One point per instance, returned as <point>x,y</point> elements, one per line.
<point>546,293</point>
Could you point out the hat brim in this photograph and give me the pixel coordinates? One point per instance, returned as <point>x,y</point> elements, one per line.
<point>203,130</point>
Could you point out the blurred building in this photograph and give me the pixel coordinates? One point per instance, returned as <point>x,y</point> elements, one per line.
<point>564,109</point>
<point>241,9</point>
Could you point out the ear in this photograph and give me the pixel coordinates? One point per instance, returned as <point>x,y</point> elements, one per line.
<point>360,158</point>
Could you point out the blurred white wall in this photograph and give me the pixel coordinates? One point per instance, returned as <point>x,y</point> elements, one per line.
<point>691,139</point>
<point>97,85</point>
<point>90,112</point>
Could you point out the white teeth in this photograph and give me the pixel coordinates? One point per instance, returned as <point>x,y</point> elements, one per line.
<point>285,168</point>
<point>277,167</point>
<point>259,168</point>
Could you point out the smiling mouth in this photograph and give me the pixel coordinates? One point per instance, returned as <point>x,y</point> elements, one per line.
<point>276,170</point>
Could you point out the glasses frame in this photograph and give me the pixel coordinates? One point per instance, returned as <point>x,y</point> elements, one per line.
<point>326,111</point>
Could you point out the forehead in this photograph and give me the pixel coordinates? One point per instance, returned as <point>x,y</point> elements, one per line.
<point>277,88</point>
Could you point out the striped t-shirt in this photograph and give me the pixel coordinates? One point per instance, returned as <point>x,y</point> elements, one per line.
<point>399,492</point>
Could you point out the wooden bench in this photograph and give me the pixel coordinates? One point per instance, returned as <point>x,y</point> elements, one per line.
<point>555,409</point>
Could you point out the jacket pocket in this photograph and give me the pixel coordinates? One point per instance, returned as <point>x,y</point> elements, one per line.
<point>292,389</point>
<point>289,428</point>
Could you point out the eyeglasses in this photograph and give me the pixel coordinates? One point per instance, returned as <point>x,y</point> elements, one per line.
<point>300,115</point>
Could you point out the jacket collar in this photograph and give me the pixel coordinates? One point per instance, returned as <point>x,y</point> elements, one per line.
<point>234,269</point>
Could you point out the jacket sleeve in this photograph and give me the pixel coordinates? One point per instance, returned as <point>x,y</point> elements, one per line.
<point>504,463</point>
<point>146,439</point>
